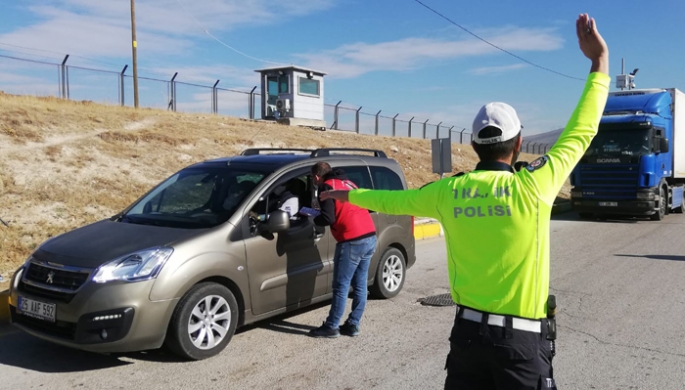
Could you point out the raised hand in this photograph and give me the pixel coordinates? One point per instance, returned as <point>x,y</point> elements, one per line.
<point>592,44</point>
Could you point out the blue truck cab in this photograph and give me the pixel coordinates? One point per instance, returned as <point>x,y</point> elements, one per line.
<point>635,165</point>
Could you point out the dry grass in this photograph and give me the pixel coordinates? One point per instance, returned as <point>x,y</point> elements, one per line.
<point>65,164</point>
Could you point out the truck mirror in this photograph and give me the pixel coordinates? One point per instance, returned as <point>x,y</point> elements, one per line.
<point>663,145</point>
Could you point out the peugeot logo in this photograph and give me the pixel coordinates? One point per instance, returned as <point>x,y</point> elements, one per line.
<point>51,275</point>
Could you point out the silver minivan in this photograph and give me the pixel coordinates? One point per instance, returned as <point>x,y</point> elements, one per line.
<point>204,252</point>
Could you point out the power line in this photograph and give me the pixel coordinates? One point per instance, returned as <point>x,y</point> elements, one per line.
<point>58,53</point>
<point>495,46</point>
<point>206,31</point>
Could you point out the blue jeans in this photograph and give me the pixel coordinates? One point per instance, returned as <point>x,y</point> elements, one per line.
<point>350,267</point>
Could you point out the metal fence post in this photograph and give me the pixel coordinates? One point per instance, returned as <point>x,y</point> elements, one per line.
<point>377,114</point>
<point>122,99</point>
<point>449,135</point>
<point>252,102</point>
<point>335,115</point>
<point>533,148</point>
<point>424,128</point>
<point>437,131</point>
<point>356,120</point>
<point>461,136</point>
<point>394,121</point>
<point>409,132</point>
<point>215,98</point>
<point>63,92</point>
<point>172,92</point>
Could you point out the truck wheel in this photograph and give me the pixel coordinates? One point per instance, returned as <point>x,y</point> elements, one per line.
<point>659,215</point>
<point>390,274</point>
<point>203,322</point>
<point>585,215</point>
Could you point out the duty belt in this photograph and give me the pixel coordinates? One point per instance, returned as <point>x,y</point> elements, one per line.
<point>500,320</point>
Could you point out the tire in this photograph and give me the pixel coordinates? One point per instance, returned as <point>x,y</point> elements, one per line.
<point>585,215</point>
<point>659,215</point>
<point>198,344</point>
<point>391,267</point>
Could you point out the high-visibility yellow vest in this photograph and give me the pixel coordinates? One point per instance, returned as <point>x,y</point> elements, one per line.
<point>496,221</point>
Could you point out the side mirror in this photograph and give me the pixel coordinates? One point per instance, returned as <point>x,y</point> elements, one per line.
<point>663,145</point>
<point>278,221</point>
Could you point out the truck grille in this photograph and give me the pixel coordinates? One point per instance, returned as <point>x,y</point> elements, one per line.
<point>617,181</point>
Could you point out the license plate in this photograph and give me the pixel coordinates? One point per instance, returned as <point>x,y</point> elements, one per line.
<point>608,204</point>
<point>41,310</point>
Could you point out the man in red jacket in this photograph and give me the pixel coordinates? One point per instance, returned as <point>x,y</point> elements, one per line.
<point>355,232</point>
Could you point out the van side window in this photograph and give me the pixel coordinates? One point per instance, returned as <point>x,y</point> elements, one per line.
<point>359,175</point>
<point>385,179</point>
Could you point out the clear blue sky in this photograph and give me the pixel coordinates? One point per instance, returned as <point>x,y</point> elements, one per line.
<point>392,55</point>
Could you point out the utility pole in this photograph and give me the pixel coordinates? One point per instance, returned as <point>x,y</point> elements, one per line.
<point>135,54</point>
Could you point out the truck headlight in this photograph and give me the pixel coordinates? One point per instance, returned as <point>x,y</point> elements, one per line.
<point>646,196</point>
<point>134,267</point>
<point>576,194</point>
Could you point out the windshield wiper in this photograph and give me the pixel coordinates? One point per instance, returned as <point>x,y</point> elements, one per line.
<point>151,222</point>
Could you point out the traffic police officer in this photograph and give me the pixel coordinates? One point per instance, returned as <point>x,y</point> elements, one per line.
<point>496,223</point>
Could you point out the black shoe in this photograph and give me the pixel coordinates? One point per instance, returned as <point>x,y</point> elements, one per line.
<point>324,331</point>
<point>349,329</point>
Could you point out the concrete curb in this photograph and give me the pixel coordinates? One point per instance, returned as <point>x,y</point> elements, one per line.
<point>430,228</point>
<point>4,307</point>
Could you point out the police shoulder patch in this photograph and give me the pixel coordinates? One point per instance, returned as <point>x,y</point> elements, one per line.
<point>537,163</point>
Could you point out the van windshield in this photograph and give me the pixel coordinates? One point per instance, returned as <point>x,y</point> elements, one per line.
<point>195,198</point>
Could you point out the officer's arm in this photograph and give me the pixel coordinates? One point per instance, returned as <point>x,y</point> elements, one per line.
<point>549,173</point>
<point>420,202</point>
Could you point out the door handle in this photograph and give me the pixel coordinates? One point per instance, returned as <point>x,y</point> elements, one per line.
<point>317,235</point>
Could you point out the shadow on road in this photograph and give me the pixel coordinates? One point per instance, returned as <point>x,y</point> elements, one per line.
<point>574,217</point>
<point>21,350</point>
<point>656,257</point>
<point>280,324</point>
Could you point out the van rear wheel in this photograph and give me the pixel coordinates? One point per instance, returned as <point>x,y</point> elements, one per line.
<point>390,274</point>
<point>203,322</point>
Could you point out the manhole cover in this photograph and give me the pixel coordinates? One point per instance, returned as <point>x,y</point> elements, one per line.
<point>438,300</point>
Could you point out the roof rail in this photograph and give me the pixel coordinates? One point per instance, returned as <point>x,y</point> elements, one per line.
<point>324,152</point>
<point>256,151</point>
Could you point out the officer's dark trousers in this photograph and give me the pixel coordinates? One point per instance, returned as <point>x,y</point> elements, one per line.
<point>491,357</point>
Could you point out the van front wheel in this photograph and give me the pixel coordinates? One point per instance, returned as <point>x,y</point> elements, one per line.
<point>203,322</point>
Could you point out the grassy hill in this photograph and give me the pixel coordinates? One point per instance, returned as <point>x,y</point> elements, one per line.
<point>64,164</point>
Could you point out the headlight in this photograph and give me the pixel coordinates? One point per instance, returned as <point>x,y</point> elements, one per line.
<point>134,267</point>
<point>646,196</point>
<point>576,194</point>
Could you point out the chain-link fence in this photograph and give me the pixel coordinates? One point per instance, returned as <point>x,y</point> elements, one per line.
<point>23,76</point>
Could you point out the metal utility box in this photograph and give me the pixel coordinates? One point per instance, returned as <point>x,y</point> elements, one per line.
<point>293,95</point>
<point>441,153</point>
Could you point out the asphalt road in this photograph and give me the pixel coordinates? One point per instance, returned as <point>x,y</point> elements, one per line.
<point>619,287</point>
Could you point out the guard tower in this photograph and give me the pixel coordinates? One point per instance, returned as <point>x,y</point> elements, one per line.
<point>293,96</point>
